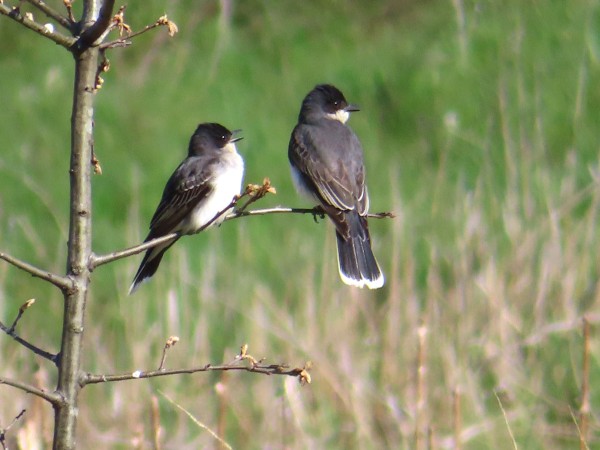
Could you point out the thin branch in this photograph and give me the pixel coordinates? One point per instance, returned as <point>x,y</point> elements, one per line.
<point>316,211</point>
<point>126,40</point>
<point>4,430</point>
<point>24,307</point>
<point>272,369</point>
<point>38,351</point>
<point>170,343</point>
<point>236,214</point>
<point>51,397</point>
<point>50,12</point>
<point>44,30</point>
<point>96,261</point>
<point>253,191</point>
<point>102,23</point>
<point>69,6</point>
<point>254,366</point>
<point>59,281</point>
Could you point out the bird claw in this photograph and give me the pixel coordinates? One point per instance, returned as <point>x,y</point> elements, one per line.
<point>318,213</point>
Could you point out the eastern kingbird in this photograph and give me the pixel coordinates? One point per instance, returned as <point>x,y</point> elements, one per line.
<point>202,186</point>
<point>327,164</point>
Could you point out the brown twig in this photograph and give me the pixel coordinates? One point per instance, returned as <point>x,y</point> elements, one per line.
<point>96,260</point>
<point>51,13</point>
<point>253,191</point>
<point>59,281</point>
<point>43,30</point>
<point>24,307</point>
<point>4,430</point>
<point>316,211</point>
<point>254,366</point>
<point>51,397</point>
<point>126,40</point>
<point>69,6</point>
<point>170,343</point>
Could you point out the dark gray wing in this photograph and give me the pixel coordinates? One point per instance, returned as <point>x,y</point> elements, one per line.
<point>330,158</point>
<point>188,186</point>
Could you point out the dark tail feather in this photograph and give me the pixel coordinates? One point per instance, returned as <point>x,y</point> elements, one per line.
<point>357,264</point>
<point>149,264</point>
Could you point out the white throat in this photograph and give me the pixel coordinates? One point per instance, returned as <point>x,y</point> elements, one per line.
<point>230,147</point>
<point>341,115</point>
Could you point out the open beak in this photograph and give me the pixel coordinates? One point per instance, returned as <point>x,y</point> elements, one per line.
<point>235,138</point>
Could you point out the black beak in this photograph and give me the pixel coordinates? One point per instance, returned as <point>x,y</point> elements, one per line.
<point>233,136</point>
<point>352,108</point>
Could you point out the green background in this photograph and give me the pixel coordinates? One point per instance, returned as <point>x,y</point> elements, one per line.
<point>480,125</point>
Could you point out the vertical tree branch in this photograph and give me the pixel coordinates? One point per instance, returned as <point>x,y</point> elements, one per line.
<point>80,236</point>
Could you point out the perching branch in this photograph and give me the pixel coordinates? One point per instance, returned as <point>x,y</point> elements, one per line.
<point>43,30</point>
<point>255,192</point>
<point>254,366</point>
<point>51,397</point>
<point>59,281</point>
<point>317,211</point>
<point>50,12</point>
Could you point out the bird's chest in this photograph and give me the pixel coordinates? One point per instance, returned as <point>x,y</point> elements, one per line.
<point>225,186</point>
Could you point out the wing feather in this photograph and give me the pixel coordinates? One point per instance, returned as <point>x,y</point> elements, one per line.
<point>187,187</point>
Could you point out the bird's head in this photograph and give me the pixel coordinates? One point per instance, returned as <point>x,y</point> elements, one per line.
<point>212,136</point>
<point>326,101</point>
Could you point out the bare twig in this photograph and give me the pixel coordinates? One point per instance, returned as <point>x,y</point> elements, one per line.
<point>96,261</point>
<point>126,40</point>
<point>272,369</point>
<point>24,307</point>
<point>50,12</point>
<point>4,430</point>
<point>44,30</point>
<point>38,351</point>
<point>51,397</point>
<point>103,66</point>
<point>254,366</point>
<point>170,343</point>
<point>61,282</point>
<point>253,191</point>
<point>69,5</point>
<point>250,191</point>
<point>316,211</point>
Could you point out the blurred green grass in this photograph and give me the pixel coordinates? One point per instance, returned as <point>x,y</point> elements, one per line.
<point>479,122</point>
